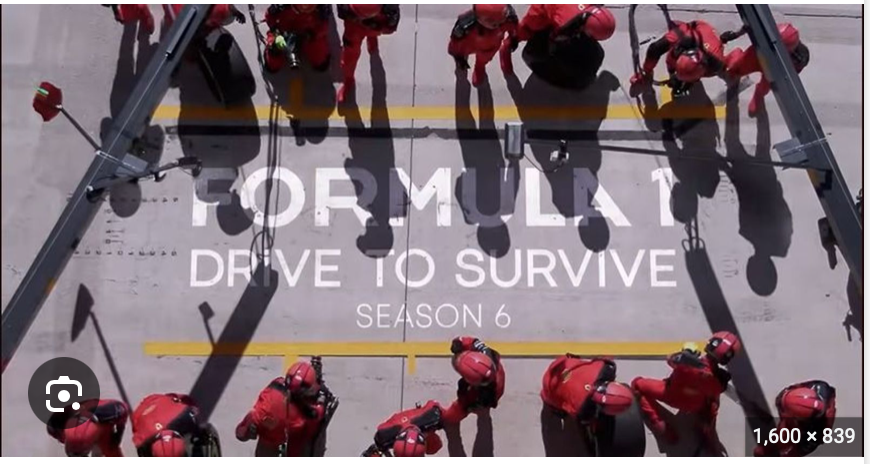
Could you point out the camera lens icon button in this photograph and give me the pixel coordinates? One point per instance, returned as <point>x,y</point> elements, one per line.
<point>62,388</point>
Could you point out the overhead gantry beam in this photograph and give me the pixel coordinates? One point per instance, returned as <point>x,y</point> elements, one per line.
<point>84,203</point>
<point>809,138</point>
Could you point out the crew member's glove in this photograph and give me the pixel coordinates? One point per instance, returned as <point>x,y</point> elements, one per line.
<point>640,77</point>
<point>728,36</point>
<point>461,63</point>
<point>246,430</point>
<point>280,42</point>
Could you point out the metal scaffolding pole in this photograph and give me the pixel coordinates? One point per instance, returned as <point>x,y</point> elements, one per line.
<point>85,202</point>
<point>809,138</point>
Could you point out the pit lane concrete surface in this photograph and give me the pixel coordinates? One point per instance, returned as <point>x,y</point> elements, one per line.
<point>396,223</point>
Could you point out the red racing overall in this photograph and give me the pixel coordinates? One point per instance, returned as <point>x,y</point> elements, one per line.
<point>101,428</point>
<point>694,34</point>
<point>357,29</point>
<point>741,63</point>
<point>133,13</point>
<point>568,384</point>
<point>219,15</point>
<point>163,411</point>
<point>469,37</point>
<point>469,397</point>
<point>276,419</point>
<point>427,418</point>
<point>542,17</point>
<point>694,386</point>
<point>311,26</point>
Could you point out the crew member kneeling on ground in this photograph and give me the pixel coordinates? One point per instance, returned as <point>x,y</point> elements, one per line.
<point>91,427</point>
<point>582,389</point>
<point>693,50</point>
<point>288,413</point>
<point>409,433</point>
<point>694,386</point>
<point>170,425</point>
<point>482,379</point>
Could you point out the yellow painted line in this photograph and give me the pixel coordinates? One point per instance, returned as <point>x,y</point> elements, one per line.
<point>442,113</point>
<point>411,350</point>
<point>666,95</point>
<point>289,359</point>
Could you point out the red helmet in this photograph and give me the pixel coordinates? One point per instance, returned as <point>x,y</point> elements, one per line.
<point>475,367</point>
<point>600,23</point>
<point>169,444</point>
<point>689,67</point>
<point>613,397</point>
<point>801,403</point>
<point>302,380</point>
<point>790,36</point>
<point>723,346</point>
<point>490,16</point>
<point>366,10</point>
<point>80,439</point>
<point>410,443</point>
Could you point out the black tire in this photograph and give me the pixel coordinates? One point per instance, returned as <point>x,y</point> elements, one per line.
<point>208,443</point>
<point>623,435</point>
<point>225,68</point>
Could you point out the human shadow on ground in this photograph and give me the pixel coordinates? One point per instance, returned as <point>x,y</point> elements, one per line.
<point>237,333</point>
<point>764,215</point>
<point>221,154</point>
<point>125,198</point>
<point>484,445</point>
<point>711,298</point>
<point>82,313</point>
<point>549,114</point>
<point>691,146</point>
<point>487,187</point>
<point>371,166</point>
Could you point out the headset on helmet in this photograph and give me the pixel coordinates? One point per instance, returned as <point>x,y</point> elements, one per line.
<point>366,10</point>
<point>613,397</point>
<point>600,23</point>
<point>475,367</point>
<point>790,36</point>
<point>801,403</point>
<point>169,444</point>
<point>723,346</point>
<point>410,443</point>
<point>301,379</point>
<point>490,15</point>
